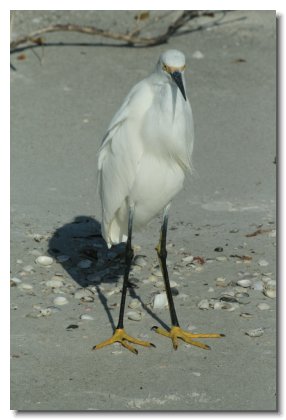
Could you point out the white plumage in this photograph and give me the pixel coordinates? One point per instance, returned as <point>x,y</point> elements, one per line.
<point>147,149</point>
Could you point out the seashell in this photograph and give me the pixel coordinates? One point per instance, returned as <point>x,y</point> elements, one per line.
<point>60,300</point>
<point>54,283</point>
<point>54,309</point>
<point>82,293</point>
<point>35,252</point>
<point>221,258</point>
<point>263,306</point>
<point>44,261</point>
<point>140,260</point>
<point>263,263</point>
<point>86,317</point>
<point>33,315</point>
<point>84,264</point>
<point>246,315</point>
<point>87,299</point>
<point>160,301</point>
<point>157,273</point>
<point>244,282</point>
<point>159,284</point>
<point>62,258</point>
<point>93,278</point>
<point>28,268</point>
<point>198,55</point>
<point>258,286</point>
<point>265,278</point>
<point>257,332</point>
<point>243,300</point>
<point>226,306</point>
<point>135,303</point>
<point>270,289</point>
<point>25,286</point>
<point>183,296</point>
<point>221,282</point>
<point>228,294</point>
<point>134,315</point>
<point>46,312</point>
<point>188,259</point>
<point>152,278</point>
<point>204,304</point>
<point>15,281</point>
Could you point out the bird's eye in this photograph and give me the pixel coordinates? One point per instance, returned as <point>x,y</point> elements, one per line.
<point>165,68</point>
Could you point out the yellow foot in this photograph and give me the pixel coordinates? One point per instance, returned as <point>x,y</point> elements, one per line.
<point>177,332</point>
<point>120,336</point>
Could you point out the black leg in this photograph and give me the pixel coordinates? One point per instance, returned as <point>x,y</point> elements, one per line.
<point>162,255</point>
<point>129,253</point>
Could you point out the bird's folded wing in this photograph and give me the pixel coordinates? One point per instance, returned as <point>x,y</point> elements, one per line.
<point>118,159</point>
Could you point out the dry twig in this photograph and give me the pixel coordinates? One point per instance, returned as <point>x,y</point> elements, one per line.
<point>130,38</point>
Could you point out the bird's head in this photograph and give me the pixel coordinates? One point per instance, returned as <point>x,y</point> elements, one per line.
<point>171,65</point>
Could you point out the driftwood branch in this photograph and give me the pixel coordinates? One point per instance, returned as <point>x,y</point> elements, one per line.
<point>130,38</point>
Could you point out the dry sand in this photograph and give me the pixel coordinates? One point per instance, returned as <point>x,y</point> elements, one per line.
<point>60,109</point>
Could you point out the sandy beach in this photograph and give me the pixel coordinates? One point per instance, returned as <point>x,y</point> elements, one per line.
<point>63,96</point>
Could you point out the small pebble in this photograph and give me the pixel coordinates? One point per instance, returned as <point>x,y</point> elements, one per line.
<point>210,289</point>
<point>235,230</point>
<point>218,249</point>
<point>44,261</point>
<point>258,332</point>
<point>263,306</point>
<point>174,291</point>
<point>134,315</point>
<point>60,300</point>
<point>72,327</point>
<point>35,252</point>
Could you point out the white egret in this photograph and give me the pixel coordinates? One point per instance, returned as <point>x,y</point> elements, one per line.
<point>142,163</point>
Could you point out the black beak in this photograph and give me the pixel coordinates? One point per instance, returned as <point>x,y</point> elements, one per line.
<point>177,77</point>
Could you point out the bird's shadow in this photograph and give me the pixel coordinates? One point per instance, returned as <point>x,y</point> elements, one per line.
<point>80,240</point>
